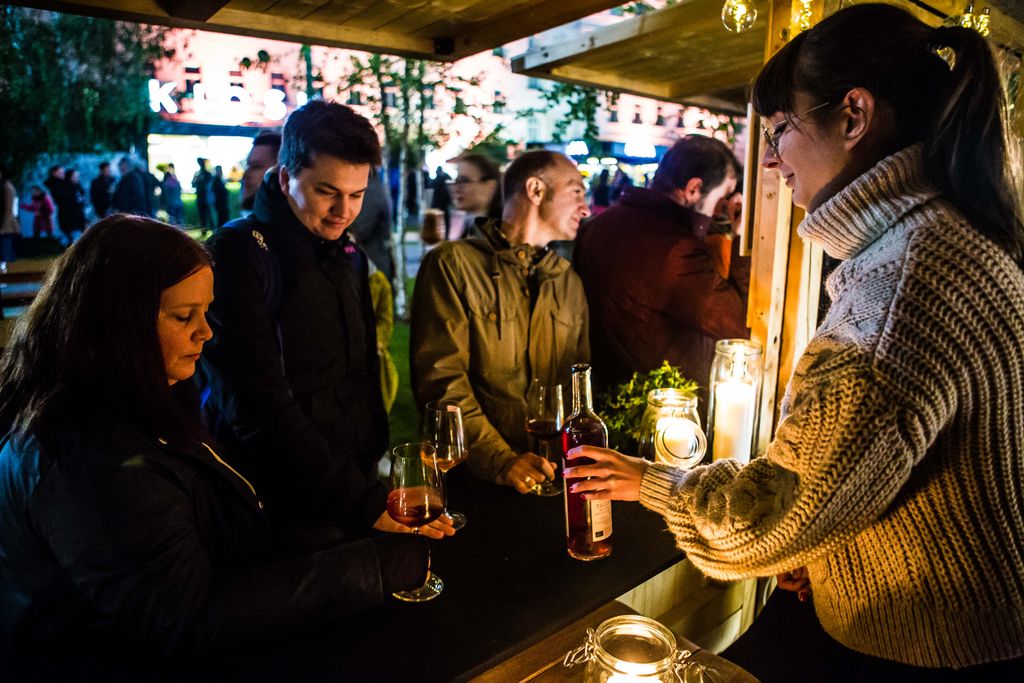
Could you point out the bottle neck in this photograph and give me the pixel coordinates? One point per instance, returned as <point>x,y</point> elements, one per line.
<point>582,401</point>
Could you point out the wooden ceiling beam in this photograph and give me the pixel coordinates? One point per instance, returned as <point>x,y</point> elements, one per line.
<point>613,57</point>
<point>248,23</point>
<point>577,75</point>
<point>332,35</point>
<point>524,22</point>
<point>644,29</point>
<point>738,75</point>
<point>605,81</point>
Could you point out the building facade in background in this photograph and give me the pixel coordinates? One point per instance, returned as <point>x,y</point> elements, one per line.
<point>218,90</point>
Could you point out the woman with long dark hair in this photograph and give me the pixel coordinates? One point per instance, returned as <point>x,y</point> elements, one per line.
<point>121,528</point>
<point>476,190</point>
<point>893,492</point>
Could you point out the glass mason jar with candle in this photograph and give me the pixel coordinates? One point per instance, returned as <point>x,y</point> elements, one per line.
<point>635,648</point>
<point>735,391</point>
<point>670,431</point>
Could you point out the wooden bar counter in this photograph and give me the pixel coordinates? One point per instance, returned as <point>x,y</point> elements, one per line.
<point>509,584</point>
<point>514,603</point>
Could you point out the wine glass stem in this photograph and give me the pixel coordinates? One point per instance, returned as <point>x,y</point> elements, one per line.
<point>444,490</point>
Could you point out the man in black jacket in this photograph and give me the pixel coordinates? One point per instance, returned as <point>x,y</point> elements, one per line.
<point>63,194</point>
<point>101,191</point>
<point>291,373</point>
<point>130,195</point>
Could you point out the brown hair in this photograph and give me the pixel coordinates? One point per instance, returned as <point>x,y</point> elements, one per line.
<point>89,339</point>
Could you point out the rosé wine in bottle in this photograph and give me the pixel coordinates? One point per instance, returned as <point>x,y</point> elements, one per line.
<point>588,523</point>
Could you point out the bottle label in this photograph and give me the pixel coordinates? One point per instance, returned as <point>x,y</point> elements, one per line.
<point>599,516</point>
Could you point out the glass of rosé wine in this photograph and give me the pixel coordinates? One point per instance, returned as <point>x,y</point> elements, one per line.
<point>442,428</point>
<point>415,499</point>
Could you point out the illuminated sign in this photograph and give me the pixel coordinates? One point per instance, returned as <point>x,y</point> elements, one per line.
<point>577,148</point>
<point>641,150</point>
<point>233,104</point>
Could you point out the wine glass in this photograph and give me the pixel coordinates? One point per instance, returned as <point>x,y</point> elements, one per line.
<point>442,427</point>
<point>415,499</point>
<point>544,414</point>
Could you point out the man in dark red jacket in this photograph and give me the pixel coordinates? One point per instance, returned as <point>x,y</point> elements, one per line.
<point>650,275</point>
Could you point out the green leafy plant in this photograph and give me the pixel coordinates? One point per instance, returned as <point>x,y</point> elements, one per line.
<point>623,407</point>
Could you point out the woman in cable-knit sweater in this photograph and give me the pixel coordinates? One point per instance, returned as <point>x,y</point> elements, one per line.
<point>896,475</point>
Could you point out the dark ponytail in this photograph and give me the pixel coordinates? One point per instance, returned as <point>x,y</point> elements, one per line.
<point>967,147</point>
<point>949,100</point>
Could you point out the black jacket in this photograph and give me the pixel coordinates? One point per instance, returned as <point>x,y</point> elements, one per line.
<point>101,192</point>
<point>291,370</point>
<point>63,194</point>
<point>120,542</point>
<point>131,195</point>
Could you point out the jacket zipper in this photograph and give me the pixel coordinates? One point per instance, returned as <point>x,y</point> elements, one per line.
<point>233,471</point>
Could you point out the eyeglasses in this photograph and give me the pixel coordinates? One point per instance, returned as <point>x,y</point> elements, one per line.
<point>465,181</point>
<point>772,134</point>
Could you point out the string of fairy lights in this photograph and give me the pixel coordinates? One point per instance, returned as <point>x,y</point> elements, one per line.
<point>740,15</point>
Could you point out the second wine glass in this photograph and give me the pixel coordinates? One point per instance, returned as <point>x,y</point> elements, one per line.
<point>415,499</point>
<point>442,428</point>
<point>544,413</point>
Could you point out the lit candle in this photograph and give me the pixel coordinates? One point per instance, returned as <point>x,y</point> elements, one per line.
<point>734,420</point>
<point>676,441</point>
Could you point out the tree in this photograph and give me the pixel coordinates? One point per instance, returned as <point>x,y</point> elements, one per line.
<point>417,105</point>
<point>72,83</point>
<point>579,104</point>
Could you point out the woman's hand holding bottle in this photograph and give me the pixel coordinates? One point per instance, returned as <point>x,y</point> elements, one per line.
<point>612,475</point>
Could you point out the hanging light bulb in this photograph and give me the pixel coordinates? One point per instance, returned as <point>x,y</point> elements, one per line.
<point>967,18</point>
<point>981,24</point>
<point>738,15</point>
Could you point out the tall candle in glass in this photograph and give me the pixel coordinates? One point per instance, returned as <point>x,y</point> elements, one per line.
<point>735,390</point>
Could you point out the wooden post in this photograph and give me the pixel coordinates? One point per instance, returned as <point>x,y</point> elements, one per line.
<point>770,248</point>
<point>785,272</point>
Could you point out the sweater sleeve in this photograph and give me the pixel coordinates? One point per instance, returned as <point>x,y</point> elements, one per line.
<point>439,359</point>
<point>838,460</point>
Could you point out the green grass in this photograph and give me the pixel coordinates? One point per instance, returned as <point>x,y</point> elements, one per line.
<point>192,213</point>
<point>405,417</point>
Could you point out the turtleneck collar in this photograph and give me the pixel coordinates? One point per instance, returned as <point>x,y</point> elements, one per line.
<point>865,209</point>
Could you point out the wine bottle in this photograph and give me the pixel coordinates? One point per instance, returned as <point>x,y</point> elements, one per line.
<point>588,523</point>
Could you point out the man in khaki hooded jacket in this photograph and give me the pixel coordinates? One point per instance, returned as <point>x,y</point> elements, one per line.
<point>493,312</point>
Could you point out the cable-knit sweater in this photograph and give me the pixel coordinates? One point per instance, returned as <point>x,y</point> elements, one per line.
<point>896,473</point>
